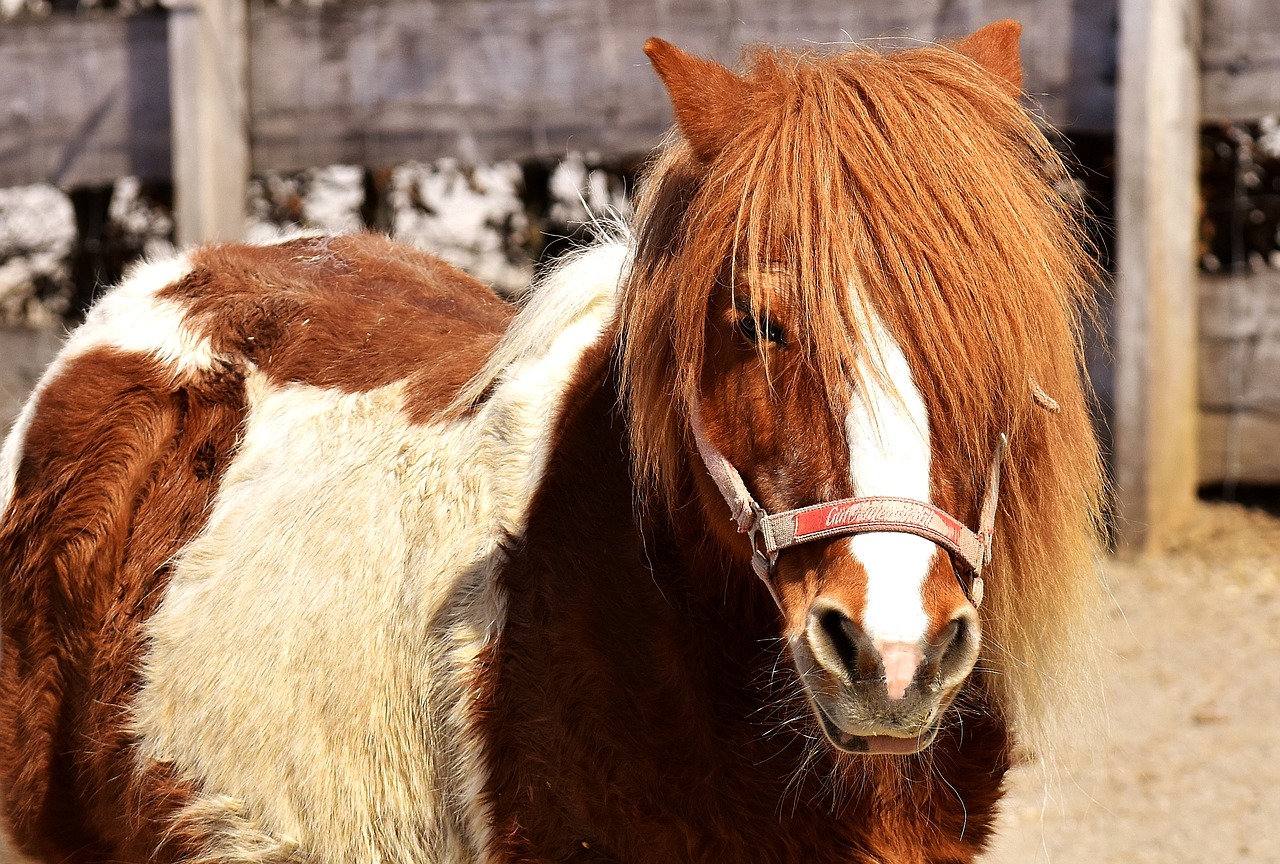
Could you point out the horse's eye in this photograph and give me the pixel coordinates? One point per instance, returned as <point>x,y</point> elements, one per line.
<point>753,331</point>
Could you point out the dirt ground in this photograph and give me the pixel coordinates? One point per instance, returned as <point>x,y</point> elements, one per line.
<point>1188,768</point>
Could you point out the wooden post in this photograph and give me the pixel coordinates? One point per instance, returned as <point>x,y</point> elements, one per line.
<point>208,81</point>
<point>1156,190</point>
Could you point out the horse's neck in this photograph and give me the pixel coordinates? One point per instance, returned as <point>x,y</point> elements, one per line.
<point>604,563</point>
<point>670,540</point>
<point>606,620</point>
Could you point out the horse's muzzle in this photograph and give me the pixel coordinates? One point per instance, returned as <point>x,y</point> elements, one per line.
<point>873,696</point>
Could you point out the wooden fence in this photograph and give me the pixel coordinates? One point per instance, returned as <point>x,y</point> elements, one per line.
<point>212,90</point>
<point>375,82</point>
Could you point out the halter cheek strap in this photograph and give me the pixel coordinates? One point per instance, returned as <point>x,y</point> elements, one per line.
<point>771,533</point>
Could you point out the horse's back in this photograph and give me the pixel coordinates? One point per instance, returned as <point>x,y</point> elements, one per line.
<point>235,411</point>
<point>352,313</point>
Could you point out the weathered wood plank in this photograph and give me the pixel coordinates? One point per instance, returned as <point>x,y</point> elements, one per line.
<point>1240,60</point>
<point>1156,192</point>
<point>1239,447</point>
<point>83,99</point>
<point>1240,378</point>
<point>381,81</point>
<point>1240,340</point>
<point>208,50</point>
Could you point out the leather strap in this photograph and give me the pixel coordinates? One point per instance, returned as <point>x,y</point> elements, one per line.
<point>772,533</point>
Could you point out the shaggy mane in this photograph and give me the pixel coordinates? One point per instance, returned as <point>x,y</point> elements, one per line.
<point>916,185</point>
<point>577,284</point>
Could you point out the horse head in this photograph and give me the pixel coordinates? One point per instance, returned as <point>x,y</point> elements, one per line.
<point>828,286</point>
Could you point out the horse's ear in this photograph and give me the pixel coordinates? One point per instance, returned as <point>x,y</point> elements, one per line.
<point>707,98</point>
<point>995,48</point>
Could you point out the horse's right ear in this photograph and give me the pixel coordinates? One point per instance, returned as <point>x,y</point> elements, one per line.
<point>995,47</point>
<point>708,98</point>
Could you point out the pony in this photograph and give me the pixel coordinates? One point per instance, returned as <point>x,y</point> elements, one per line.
<point>712,550</point>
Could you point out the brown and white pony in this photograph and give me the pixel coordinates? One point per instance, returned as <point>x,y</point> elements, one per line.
<point>318,552</point>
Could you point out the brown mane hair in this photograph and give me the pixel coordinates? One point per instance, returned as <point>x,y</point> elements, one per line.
<point>914,184</point>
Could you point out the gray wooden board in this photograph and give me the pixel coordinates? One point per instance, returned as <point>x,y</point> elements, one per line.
<point>1239,364</point>
<point>83,99</point>
<point>1240,59</point>
<point>1240,378</point>
<point>1155,312</point>
<point>208,52</point>
<point>380,81</point>
<point>1240,342</point>
<point>1239,447</point>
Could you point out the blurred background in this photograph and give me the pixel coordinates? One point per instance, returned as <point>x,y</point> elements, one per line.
<point>490,132</point>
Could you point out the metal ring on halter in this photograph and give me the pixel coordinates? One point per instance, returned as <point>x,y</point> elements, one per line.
<point>762,558</point>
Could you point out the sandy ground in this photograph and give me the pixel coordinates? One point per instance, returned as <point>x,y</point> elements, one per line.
<point>1188,770</point>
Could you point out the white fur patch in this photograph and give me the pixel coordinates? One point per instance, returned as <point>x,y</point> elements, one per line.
<point>309,665</point>
<point>889,454</point>
<point>131,319</point>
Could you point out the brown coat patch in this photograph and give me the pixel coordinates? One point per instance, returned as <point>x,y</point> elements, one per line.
<point>351,313</point>
<point>118,469</point>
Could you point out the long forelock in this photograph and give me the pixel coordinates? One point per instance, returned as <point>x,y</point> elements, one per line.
<point>915,187</point>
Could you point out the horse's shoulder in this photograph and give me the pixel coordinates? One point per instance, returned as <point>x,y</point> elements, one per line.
<point>109,472</point>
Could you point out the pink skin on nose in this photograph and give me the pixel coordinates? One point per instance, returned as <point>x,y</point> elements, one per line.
<point>901,660</point>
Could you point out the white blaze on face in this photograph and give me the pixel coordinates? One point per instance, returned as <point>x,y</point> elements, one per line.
<point>889,453</point>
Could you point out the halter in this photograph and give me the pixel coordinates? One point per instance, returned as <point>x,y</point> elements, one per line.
<point>771,533</point>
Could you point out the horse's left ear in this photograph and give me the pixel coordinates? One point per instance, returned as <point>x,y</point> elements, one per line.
<point>708,98</point>
<point>995,48</point>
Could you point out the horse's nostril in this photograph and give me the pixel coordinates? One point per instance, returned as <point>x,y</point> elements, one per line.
<point>841,635</point>
<point>955,639</point>
<point>957,648</point>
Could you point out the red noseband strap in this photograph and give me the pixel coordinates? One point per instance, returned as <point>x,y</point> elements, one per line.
<point>771,533</point>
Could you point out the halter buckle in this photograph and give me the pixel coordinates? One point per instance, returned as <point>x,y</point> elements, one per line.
<point>762,558</point>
